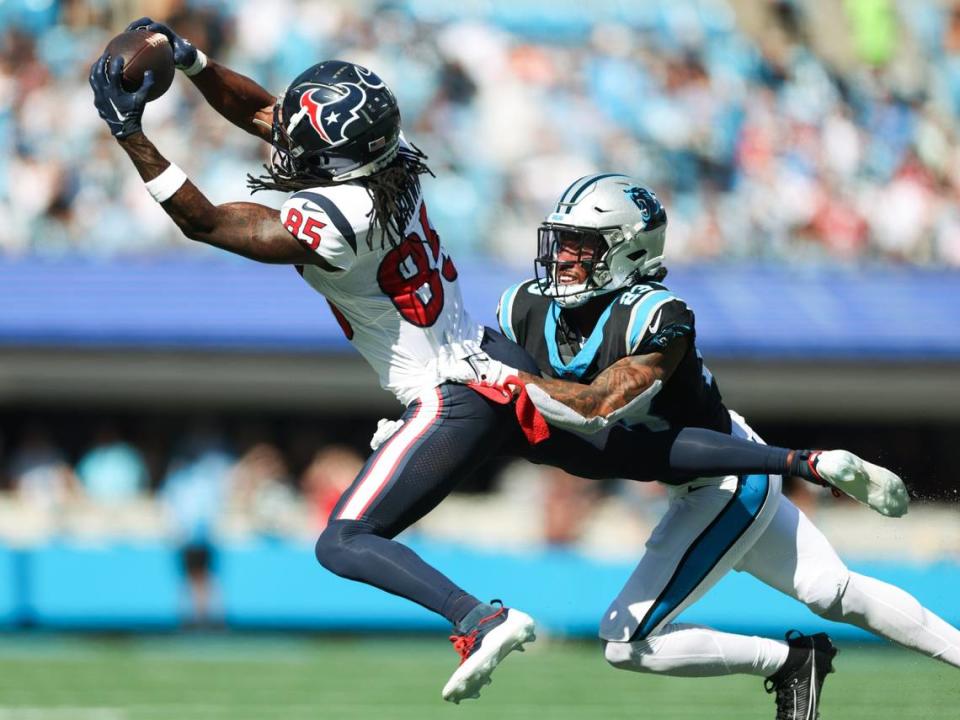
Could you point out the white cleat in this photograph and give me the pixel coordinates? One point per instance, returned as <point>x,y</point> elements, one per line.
<point>482,649</point>
<point>865,482</point>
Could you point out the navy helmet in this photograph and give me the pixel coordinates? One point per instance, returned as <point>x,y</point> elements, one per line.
<point>336,121</point>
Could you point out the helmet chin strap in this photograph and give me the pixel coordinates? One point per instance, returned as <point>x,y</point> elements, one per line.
<point>296,120</point>
<point>572,295</point>
<point>371,167</point>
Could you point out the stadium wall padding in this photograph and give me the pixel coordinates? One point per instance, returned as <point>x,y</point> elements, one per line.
<point>744,310</point>
<point>277,584</point>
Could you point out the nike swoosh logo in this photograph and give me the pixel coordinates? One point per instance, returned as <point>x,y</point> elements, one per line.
<point>311,207</point>
<point>655,325</point>
<point>120,116</point>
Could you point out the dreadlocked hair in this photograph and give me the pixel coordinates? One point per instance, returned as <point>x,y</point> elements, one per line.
<point>284,175</point>
<point>393,190</point>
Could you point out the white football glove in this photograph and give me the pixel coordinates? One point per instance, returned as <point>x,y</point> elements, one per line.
<point>477,367</point>
<point>385,430</point>
<point>565,417</point>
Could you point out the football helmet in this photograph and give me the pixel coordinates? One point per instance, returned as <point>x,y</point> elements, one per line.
<point>336,121</point>
<point>616,226</point>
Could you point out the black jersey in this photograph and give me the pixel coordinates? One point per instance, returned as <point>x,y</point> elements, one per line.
<point>639,319</point>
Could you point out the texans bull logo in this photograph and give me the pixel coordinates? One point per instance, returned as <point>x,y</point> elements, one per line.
<point>331,118</point>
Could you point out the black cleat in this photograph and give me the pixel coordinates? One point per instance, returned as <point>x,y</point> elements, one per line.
<point>797,684</point>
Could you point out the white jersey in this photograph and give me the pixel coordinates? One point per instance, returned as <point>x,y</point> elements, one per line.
<point>397,303</point>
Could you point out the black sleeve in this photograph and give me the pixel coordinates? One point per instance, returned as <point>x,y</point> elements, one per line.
<point>513,310</point>
<point>660,325</point>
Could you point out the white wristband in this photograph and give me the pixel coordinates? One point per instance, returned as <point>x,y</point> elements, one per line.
<point>199,64</point>
<point>164,185</point>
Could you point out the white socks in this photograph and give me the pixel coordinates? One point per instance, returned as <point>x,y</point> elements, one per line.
<point>894,614</point>
<point>695,651</point>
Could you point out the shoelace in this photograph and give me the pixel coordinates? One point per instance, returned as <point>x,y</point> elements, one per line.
<point>812,464</point>
<point>787,703</point>
<point>463,644</point>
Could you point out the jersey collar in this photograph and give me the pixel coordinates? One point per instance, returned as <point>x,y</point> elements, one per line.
<point>588,351</point>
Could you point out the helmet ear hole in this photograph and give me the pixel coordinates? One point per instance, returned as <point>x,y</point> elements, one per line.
<point>636,255</point>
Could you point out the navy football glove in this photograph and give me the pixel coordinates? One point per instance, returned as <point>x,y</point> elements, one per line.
<point>184,53</point>
<point>122,110</point>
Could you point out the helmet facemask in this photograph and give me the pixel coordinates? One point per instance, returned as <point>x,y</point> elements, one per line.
<point>561,249</point>
<point>621,222</point>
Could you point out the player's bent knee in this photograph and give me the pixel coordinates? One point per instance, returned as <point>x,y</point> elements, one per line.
<point>333,548</point>
<point>619,654</point>
<point>637,656</point>
<point>822,595</point>
<point>327,548</point>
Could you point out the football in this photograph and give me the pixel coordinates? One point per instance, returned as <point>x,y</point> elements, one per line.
<point>141,51</point>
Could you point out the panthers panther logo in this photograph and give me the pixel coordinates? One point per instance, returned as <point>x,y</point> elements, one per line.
<point>651,211</point>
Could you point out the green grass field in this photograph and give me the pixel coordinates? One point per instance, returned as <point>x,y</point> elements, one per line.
<point>244,677</point>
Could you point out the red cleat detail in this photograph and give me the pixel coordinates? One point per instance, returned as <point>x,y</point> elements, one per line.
<point>463,644</point>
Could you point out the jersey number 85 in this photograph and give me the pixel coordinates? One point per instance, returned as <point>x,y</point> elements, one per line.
<point>410,274</point>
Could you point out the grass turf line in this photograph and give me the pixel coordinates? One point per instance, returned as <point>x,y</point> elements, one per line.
<point>244,678</point>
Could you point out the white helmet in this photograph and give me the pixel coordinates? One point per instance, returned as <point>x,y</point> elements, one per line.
<point>625,222</point>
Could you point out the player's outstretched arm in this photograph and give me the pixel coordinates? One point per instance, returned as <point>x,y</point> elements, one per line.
<point>248,229</point>
<point>238,98</point>
<point>623,391</point>
<point>617,386</point>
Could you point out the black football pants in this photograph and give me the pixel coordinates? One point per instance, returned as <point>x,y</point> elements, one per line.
<point>448,433</point>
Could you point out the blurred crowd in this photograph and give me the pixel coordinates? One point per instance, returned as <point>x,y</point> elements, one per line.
<point>199,481</point>
<point>797,130</point>
<point>207,484</point>
<point>202,483</point>
<point>211,482</point>
<point>205,480</point>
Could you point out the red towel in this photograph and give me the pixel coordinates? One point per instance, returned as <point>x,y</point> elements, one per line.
<point>531,421</point>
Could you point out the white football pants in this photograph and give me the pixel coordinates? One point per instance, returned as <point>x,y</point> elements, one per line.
<point>713,525</point>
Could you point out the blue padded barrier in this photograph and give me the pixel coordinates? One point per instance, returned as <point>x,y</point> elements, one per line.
<point>102,586</point>
<point>743,310</point>
<point>277,584</point>
<point>11,587</point>
<point>280,585</point>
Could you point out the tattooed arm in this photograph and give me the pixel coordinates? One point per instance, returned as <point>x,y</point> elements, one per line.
<point>617,385</point>
<point>248,229</point>
<point>238,98</point>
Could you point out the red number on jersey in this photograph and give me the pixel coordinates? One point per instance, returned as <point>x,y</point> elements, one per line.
<point>293,222</point>
<point>410,275</point>
<point>309,232</point>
